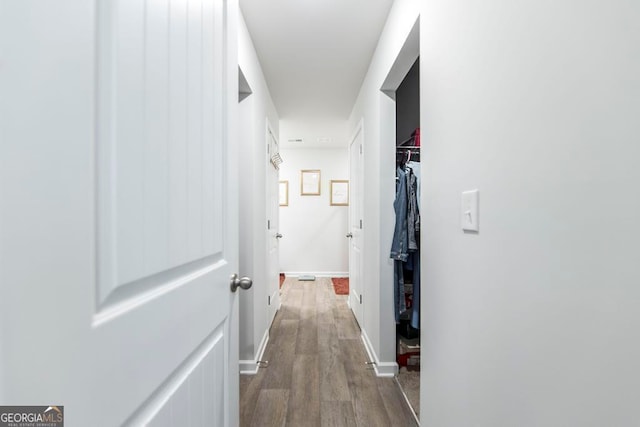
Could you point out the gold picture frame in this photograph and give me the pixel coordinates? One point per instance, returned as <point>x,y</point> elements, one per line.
<point>283,193</point>
<point>310,182</point>
<point>339,192</point>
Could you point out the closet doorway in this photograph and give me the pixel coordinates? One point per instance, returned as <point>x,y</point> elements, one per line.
<point>401,128</point>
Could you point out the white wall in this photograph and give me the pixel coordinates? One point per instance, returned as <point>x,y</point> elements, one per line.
<point>377,111</point>
<point>314,232</point>
<point>255,110</point>
<point>534,321</point>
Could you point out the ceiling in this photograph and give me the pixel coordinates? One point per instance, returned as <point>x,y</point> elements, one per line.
<point>315,53</point>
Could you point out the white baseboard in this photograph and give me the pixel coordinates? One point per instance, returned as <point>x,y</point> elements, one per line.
<point>353,293</point>
<point>250,367</point>
<point>317,273</point>
<point>276,303</point>
<point>382,369</point>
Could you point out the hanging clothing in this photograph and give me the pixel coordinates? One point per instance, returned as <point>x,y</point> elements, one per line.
<point>413,265</point>
<point>413,217</point>
<point>415,309</point>
<point>399,245</point>
<point>405,250</point>
<point>400,303</point>
<point>415,168</point>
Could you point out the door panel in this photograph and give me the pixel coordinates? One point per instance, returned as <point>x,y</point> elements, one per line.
<point>119,221</point>
<point>273,243</point>
<point>355,224</point>
<point>191,394</point>
<point>157,157</point>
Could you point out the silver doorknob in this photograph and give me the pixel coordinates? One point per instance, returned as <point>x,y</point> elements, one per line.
<point>350,235</point>
<point>278,236</point>
<point>244,283</point>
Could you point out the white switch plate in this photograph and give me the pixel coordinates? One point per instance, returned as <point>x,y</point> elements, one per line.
<point>469,213</point>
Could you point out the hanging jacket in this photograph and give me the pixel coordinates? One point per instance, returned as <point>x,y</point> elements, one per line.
<point>413,216</point>
<point>399,245</point>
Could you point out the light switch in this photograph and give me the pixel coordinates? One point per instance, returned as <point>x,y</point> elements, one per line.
<point>469,213</point>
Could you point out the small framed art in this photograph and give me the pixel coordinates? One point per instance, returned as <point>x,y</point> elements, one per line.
<point>310,182</point>
<point>339,192</point>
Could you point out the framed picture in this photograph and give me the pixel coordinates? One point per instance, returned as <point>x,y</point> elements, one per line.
<point>284,193</point>
<point>310,182</point>
<point>339,192</point>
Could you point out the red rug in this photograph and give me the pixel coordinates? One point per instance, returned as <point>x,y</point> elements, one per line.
<point>340,285</point>
<point>281,279</point>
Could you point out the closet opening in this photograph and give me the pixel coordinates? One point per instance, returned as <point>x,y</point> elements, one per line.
<point>401,132</point>
<point>406,255</point>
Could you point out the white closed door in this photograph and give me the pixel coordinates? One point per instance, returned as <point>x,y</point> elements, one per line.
<point>119,210</point>
<point>355,225</point>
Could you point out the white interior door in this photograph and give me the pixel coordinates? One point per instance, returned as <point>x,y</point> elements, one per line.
<point>119,210</point>
<point>355,224</point>
<point>273,232</point>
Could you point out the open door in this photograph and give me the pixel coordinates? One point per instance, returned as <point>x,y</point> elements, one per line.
<point>355,224</point>
<point>273,224</point>
<point>119,210</point>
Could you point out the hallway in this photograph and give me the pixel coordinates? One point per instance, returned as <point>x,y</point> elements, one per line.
<point>317,373</point>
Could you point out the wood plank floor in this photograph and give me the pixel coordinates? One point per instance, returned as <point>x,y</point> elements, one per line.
<point>317,374</point>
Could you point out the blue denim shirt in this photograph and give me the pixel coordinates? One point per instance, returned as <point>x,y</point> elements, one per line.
<point>399,246</point>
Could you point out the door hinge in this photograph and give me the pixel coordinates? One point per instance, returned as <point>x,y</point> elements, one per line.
<point>360,148</point>
<point>268,224</point>
<point>360,298</point>
<point>269,297</point>
<point>360,224</point>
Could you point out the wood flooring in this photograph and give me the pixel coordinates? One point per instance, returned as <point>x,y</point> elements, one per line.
<point>317,374</point>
